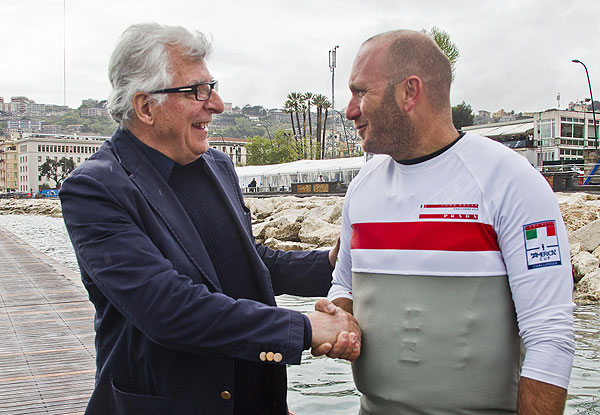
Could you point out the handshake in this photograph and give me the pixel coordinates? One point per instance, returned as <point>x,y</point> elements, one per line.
<point>335,332</point>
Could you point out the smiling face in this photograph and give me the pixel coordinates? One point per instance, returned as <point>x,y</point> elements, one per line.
<point>180,123</point>
<point>383,126</point>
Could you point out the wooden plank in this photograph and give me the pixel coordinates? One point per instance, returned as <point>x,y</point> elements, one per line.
<point>47,355</point>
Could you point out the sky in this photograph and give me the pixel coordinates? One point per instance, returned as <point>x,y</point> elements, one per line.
<point>514,54</point>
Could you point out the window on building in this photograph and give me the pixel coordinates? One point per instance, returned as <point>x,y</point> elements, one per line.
<point>547,128</point>
<point>566,129</point>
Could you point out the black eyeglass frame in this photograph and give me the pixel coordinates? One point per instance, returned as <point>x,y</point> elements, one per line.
<point>190,88</point>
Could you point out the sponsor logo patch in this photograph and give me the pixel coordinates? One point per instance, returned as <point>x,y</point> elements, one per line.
<point>453,211</point>
<point>541,244</point>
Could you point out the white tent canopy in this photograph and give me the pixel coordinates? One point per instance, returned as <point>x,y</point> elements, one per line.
<point>281,176</point>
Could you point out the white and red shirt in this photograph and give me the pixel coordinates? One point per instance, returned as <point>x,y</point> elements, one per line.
<point>477,210</point>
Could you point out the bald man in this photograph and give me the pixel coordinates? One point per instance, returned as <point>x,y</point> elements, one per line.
<point>454,257</point>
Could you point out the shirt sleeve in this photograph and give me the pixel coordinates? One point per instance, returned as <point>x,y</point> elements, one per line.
<point>341,286</point>
<point>535,248</point>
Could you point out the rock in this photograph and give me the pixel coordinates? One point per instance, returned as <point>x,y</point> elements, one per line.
<point>575,248</point>
<point>258,230</point>
<point>596,252</point>
<point>284,227</point>
<point>588,289</point>
<point>584,263</point>
<point>319,232</point>
<point>274,243</point>
<point>588,236</point>
<point>261,208</point>
<point>329,213</point>
<point>577,199</point>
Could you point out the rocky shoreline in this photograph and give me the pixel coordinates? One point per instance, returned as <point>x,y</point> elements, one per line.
<point>304,223</point>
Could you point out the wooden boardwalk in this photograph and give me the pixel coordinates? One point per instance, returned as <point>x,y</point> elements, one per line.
<point>47,355</point>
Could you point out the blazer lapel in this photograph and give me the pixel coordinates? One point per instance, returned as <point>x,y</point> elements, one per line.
<point>162,199</point>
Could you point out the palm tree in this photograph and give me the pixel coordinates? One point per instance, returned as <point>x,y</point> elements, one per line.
<point>293,103</point>
<point>295,98</point>
<point>308,96</point>
<point>289,109</point>
<point>308,101</point>
<point>326,106</point>
<point>319,101</point>
<point>302,107</point>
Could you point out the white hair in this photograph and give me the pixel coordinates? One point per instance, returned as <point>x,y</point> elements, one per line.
<point>140,63</point>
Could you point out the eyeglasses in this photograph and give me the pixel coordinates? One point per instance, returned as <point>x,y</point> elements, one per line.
<point>201,90</point>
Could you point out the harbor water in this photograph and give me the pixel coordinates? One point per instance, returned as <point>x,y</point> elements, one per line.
<point>325,386</point>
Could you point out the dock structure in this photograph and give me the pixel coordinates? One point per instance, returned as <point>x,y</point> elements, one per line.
<point>47,355</point>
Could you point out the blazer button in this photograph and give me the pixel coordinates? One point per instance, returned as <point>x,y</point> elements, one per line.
<point>277,357</point>
<point>270,356</point>
<point>262,356</point>
<point>226,395</point>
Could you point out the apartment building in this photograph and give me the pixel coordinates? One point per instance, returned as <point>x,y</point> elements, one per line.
<point>552,137</point>
<point>34,150</point>
<point>9,167</point>
<point>235,148</point>
<point>563,136</point>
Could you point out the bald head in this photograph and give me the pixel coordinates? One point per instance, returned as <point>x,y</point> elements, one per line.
<point>407,53</point>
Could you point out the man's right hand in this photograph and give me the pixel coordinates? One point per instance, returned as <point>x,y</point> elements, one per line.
<point>334,332</point>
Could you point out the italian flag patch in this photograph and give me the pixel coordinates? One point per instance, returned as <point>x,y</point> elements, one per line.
<point>541,244</point>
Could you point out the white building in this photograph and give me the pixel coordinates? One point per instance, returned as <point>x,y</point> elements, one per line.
<point>563,136</point>
<point>553,137</point>
<point>34,150</point>
<point>235,148</point>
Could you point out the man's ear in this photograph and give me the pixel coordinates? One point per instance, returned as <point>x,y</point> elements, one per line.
<point>408,92</point>
<point>142,108</point>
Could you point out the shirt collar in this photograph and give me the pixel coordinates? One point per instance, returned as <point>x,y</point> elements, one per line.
<point>162,163</point>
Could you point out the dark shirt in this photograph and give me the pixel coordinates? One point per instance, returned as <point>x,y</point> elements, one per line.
<point>207,209</point>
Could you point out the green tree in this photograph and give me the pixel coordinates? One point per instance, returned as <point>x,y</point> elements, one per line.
<point>462,115</point>
<point>285,147</point>
<point>443,40</point>
<point>242,128</point>
<point>261,151</point>
<point>57,170</point>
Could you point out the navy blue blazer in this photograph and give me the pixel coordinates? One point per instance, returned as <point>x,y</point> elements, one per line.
<point>166,335</point>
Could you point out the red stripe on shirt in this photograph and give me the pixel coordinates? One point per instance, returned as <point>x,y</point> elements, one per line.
<point>424,236</point>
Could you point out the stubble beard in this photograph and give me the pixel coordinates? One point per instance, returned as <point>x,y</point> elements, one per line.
<point>392,131</point>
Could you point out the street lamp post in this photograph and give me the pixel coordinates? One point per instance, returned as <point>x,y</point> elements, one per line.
<point>345,133</point>
<point>592,98</point>
<point>332,65</point>
<point>271,140</point>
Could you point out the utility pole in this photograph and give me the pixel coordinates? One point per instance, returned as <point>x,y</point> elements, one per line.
<point>332,64</point>
<point>65,53</point>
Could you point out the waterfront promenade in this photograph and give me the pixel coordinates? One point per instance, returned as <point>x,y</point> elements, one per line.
<point>47,351</point>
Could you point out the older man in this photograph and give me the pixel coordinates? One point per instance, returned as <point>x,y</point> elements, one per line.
<point>453,252</point>
<point>186,321</point>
